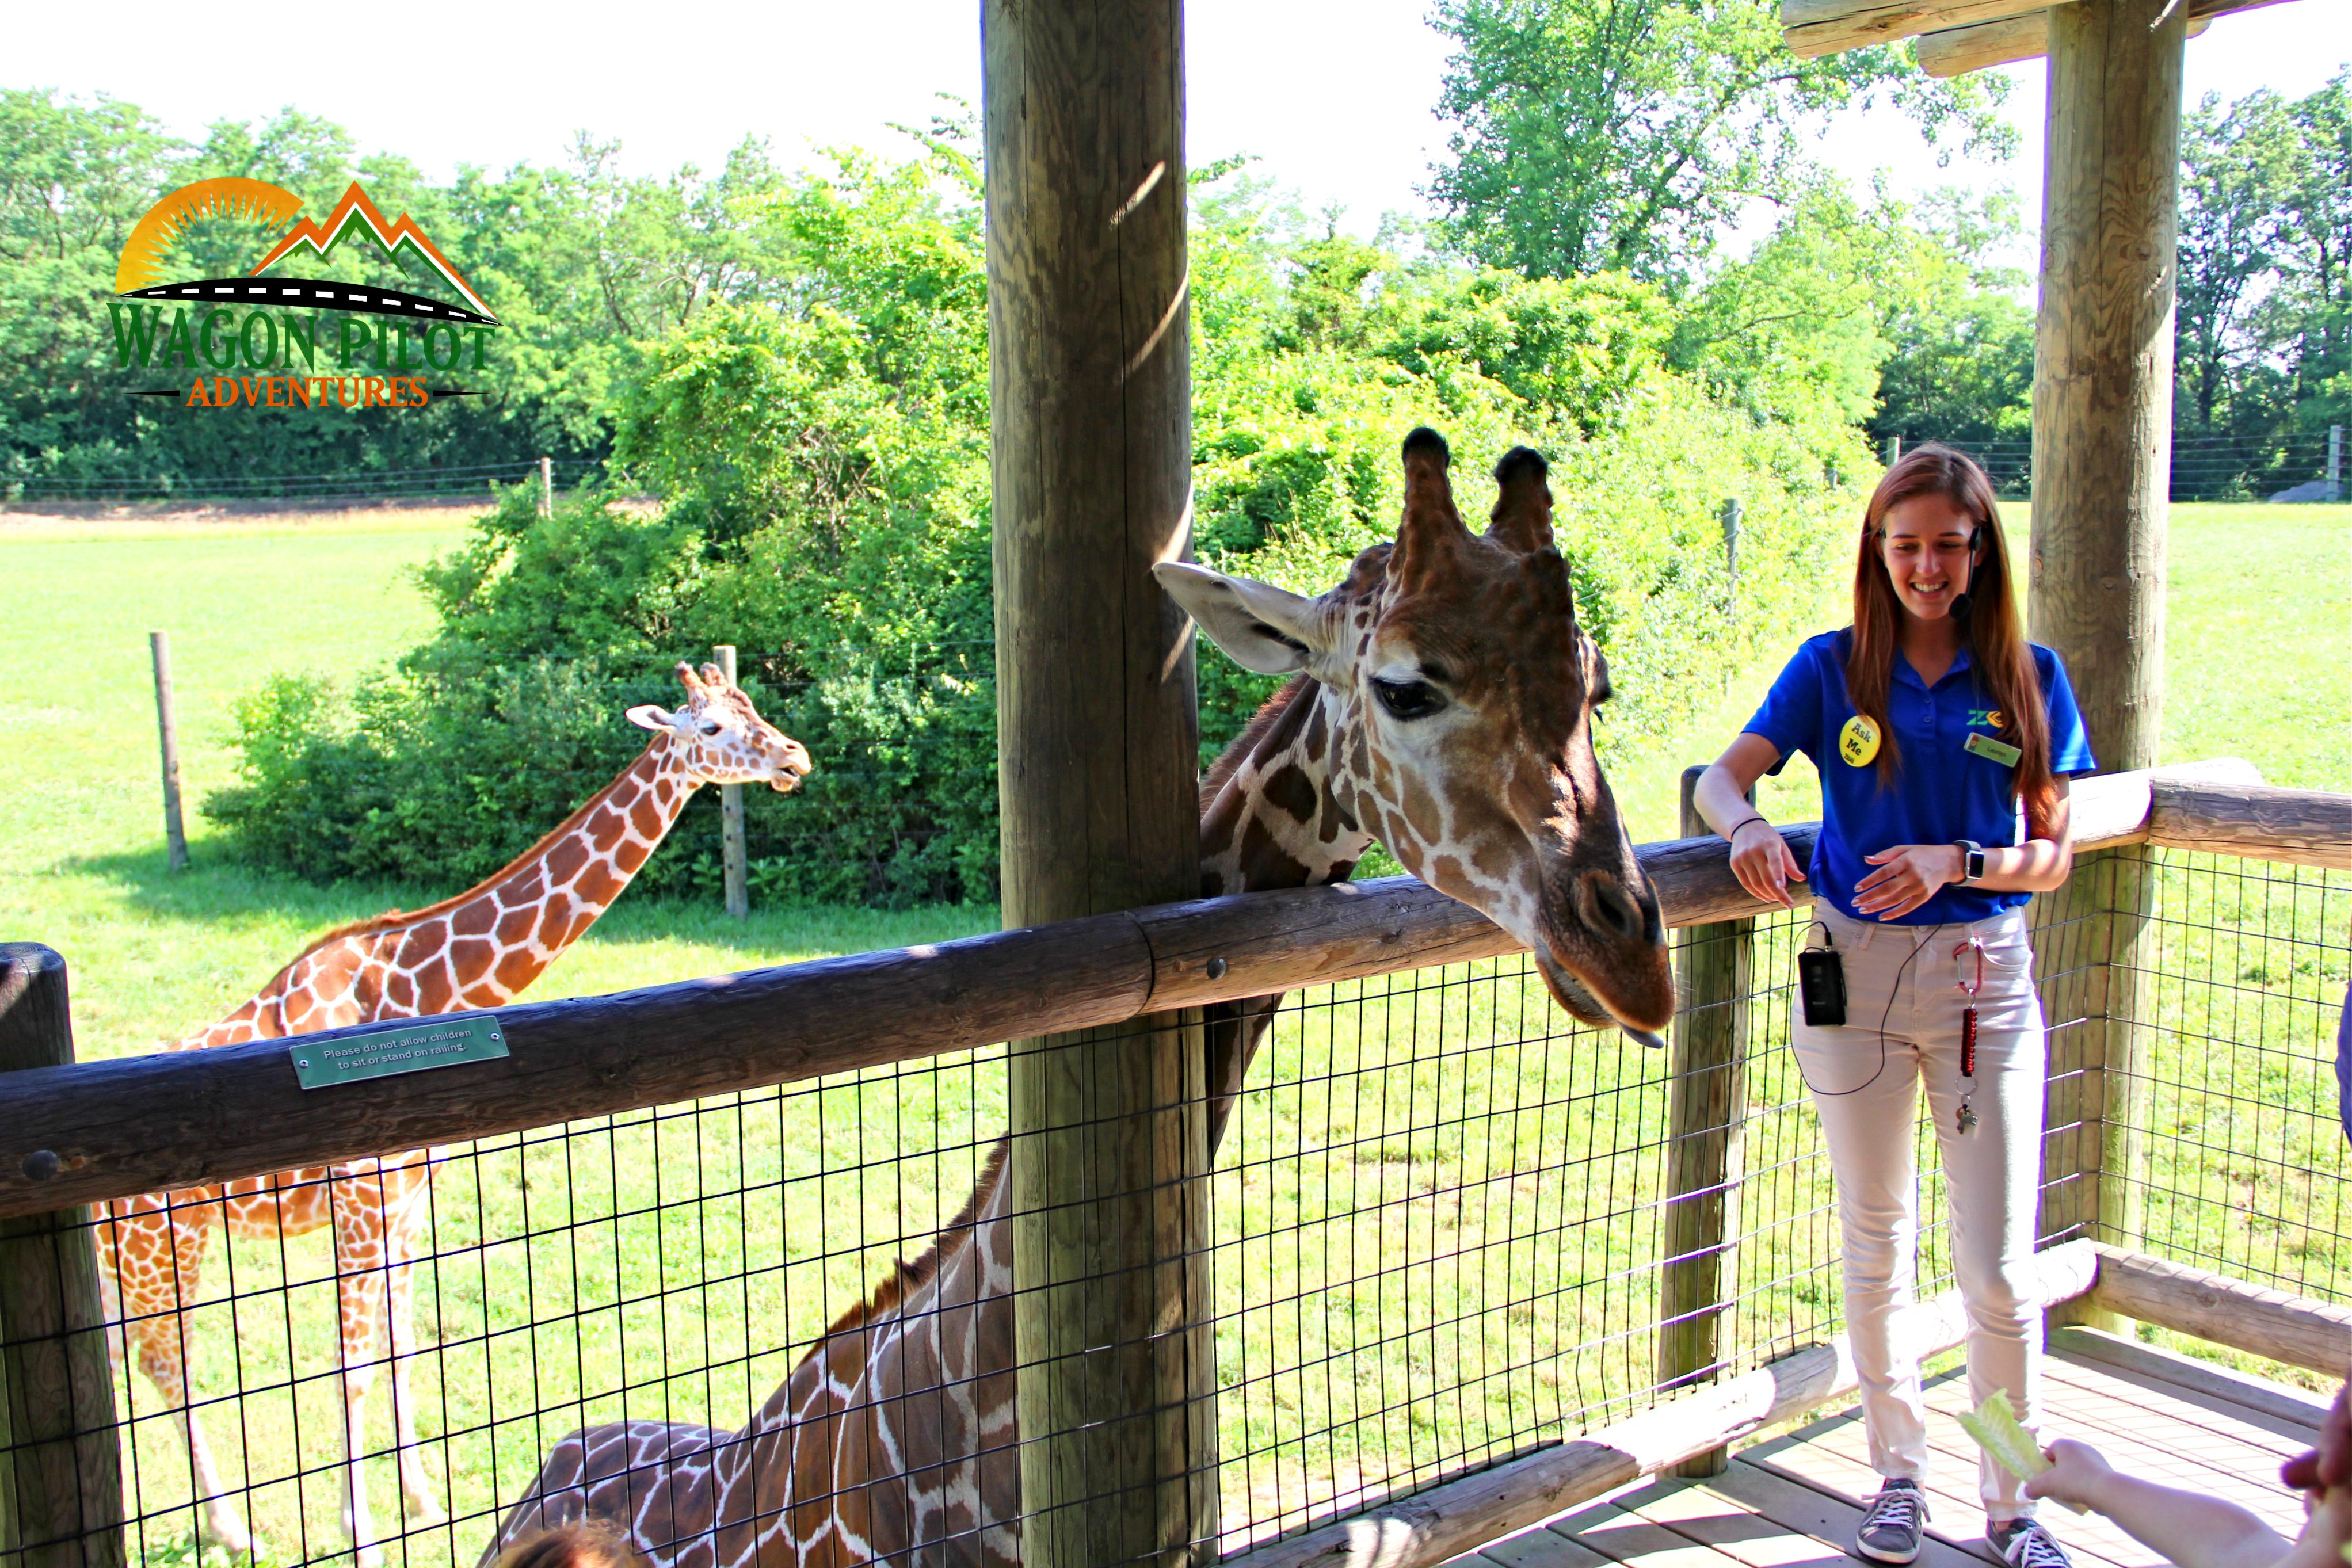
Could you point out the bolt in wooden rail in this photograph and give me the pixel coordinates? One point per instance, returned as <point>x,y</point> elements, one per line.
<point>1706,1104</point>
<point>60,1470</point>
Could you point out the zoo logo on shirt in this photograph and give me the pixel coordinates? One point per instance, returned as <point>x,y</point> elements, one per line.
<point>279,330</point>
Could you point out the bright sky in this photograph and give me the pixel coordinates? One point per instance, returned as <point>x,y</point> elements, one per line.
<point>1334,96</point>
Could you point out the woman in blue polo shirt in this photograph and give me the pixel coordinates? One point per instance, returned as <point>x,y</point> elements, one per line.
<point>1944,741</point>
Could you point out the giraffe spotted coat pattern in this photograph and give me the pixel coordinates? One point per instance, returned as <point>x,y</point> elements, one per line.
<point>1442,706</point>
<point>479,949</point>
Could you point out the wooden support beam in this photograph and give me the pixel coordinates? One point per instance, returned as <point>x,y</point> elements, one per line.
<point>1429,1527</point>
<point>60,1451</point>
<point>1098,749</point>
<point>146,1123</point>
<point>2297,826</point>
<point>1816,27</point>
<point>1951,52</point>
<point>2314,1336</point>
<point>1954,36</point>
<point>1706,1116</point>
<point>2103,363</point>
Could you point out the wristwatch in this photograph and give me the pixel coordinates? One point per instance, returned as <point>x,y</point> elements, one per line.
<point>1971,860</point>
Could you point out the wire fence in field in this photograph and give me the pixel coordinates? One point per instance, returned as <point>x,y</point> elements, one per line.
<point>2204,468</point>
<point>461,482</point>
<point>1435,1222</point>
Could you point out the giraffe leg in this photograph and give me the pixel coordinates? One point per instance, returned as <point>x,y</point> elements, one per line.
<point>360,1281</point>
<point>156,1263</point>
<point>417,1498</point>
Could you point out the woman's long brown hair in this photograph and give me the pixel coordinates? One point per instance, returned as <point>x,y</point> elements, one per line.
<point>1991,633</point>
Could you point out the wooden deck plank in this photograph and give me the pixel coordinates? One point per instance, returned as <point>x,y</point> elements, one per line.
<point>1817,1513</point>
<point>1792,1503</point>
<point>1631,1539</point>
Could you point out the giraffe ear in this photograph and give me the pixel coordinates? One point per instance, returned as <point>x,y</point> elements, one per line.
<point>645,716</point>
<point>1262,627</point>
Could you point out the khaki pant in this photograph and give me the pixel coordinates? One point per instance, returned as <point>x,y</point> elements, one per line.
<point>1905,975</point>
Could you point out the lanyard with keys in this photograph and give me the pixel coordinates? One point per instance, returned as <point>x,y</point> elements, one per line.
<point>1968,960</point>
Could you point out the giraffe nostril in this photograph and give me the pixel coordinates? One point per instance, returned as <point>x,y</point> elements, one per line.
<point>1608,908</point>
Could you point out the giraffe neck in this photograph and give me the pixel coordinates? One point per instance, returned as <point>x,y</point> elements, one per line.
<point>1281,808</point>
<point>481,949</point>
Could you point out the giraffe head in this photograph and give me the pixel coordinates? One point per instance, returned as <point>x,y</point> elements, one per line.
<point>1465,691</point>
<point>720,738</point>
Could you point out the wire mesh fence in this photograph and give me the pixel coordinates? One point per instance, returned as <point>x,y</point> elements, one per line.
<point>1435,1225</point>
<point>2219,466</point>
<point>460,482</point>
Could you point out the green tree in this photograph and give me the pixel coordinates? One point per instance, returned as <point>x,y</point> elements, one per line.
<point>1621,135</point>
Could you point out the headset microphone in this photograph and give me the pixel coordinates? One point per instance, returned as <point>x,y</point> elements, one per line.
<point>1965,600</point>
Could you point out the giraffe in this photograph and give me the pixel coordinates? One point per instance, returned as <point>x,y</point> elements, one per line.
<point>479,949</point>
<point>1441,703</point>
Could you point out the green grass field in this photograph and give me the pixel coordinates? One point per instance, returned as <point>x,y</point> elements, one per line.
<point>1434,1185</point>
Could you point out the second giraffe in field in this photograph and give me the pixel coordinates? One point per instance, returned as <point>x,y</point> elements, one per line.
<point>479,949</point>
<point>1442,706</point>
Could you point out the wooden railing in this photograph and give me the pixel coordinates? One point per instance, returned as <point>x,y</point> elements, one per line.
<point>76,1134</point>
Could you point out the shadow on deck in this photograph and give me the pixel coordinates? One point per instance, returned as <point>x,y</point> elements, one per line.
<point>1789,1502</point>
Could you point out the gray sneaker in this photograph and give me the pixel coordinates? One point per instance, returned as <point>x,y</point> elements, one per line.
<point>2023,1543</point>
<point>1892,1522</point>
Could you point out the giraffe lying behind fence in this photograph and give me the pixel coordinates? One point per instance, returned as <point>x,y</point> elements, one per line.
<point>1442,706</point>
<point>479,949</point>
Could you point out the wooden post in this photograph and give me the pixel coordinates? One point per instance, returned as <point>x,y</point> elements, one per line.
<point>1893,450</point>
<point>2103,363</point>
<point>2102,462</point>
<point>1731,516</point>
<point>731,818</point>
<point>2334,461</point>
<point>60,1467</point>
<point>1706,1104</point>
<point>167,728</point>
<point>547,486</point>
<point>1089,349</point>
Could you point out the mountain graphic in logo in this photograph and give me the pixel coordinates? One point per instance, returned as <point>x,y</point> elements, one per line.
<point>137,273</point>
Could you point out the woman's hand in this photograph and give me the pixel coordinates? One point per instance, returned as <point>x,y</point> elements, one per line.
<point>1761,860</point>
<point>2075,1474</point>
<point>1908,875</point>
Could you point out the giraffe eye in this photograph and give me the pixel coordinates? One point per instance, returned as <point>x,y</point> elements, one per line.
<point>709,730</point>
<point>1408,699</point>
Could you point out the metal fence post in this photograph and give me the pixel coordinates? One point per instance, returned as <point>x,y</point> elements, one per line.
<point>731,818</point>
<point>1707,1103</point>
<point>167,728</point>
<point>60,1467</point>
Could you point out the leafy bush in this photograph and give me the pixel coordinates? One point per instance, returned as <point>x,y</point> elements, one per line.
<point>824,459</point>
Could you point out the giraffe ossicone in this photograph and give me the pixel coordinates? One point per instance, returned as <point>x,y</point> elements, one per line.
<point>1442,702</point>
<point>479,949</point>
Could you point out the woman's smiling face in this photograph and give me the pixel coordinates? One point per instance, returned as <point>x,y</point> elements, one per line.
<point>1925,541</point>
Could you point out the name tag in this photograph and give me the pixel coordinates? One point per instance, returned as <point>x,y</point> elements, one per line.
<point>2000,751</point>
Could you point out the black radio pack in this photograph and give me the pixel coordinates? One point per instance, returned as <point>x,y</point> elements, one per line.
<point>1820,985</point>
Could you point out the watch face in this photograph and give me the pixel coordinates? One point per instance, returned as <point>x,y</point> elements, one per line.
<point>1976,864</point>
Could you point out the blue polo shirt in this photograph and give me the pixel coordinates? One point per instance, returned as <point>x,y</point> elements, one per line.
<point>1940,793</point>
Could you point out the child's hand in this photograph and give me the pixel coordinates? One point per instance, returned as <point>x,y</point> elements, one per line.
<point>2076,1470</point>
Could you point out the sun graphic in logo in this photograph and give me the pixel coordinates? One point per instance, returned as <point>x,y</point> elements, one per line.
<point>139,274</point>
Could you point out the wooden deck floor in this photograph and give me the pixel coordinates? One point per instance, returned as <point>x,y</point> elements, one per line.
<point>1789,1502</point>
